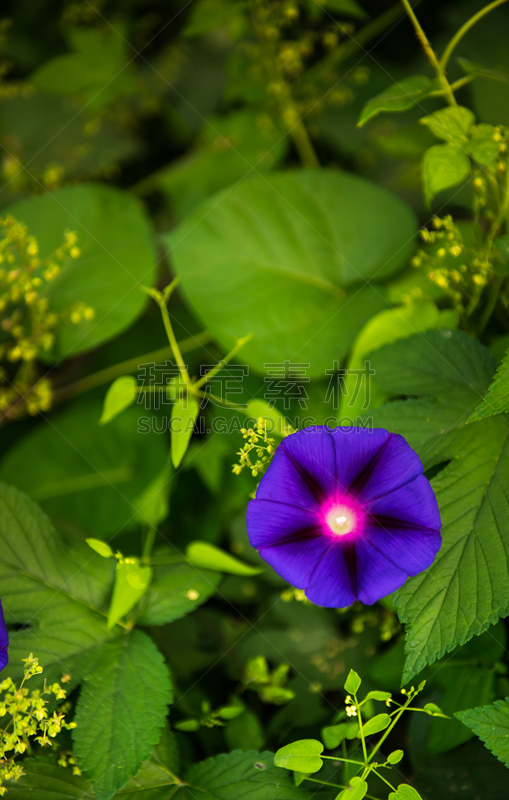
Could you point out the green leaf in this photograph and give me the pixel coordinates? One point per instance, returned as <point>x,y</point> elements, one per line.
<point>452,124</point>
<point>100,547</point>
<point>207,556</point>
<point>131,582</point>
<point>444,166</point>
<point>376,724</point>
<point>156,779</point>
<point>56,589</point>
<point>395,757</point>
<point>117,253</point>
<point>405,792</point>
<point>491,725</point>
<point>476,69</point>
<point>398,97</point>
<point>360,391</point>
<point>497,398</point>
<point>306,240</point>
<point>153,504</point>
<point>120,395</point>
<point>45,779</point>
<point>120,712</point>
<point>241,776</point>
<point>482,146</point>
<point>352,682</point>
<point>349,8</point>
<point>355,791</point>
<point>382,696</point>
<point>245,732</point>
<point>83,474</point>
<point>207,15</point>
<point>463,688</point>
<point>303,756</point>
<point>183,416</point>
<point>333,735</point>
<point>176,590</point>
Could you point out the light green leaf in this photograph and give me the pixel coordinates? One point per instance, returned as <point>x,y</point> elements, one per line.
<point>405,792</point>
<point>303,756</point>
<point>491,725</point>
<point>482,146</point>
<point>376,724</point>
<point>360,391</point>
<point>306,241</point>
<point>352,683</point>
<point>56,589</point>
<point>399,97</point>
<point>176,590</point>
<point>183,416</point>
<point>120,712</point>
<point>375,695</point>
<point>395,757</point>
<point>131,582</point>
<point>333,735</point>
<point>207,556</point>
<point>100,547</point>
<point>355,791</point>
<point>238,775</point>
<point>444,166</point>
<point>120,395</point>
<point>452,124</point>
<point>153,504</point>
<point>83,474</point>
<point>497,398</point>
<point>117,253</point>
<point>45,779</point>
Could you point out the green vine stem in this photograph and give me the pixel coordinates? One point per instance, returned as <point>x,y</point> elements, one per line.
<point>458,36</point>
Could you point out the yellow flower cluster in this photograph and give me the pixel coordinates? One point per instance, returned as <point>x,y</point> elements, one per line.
<point>259,443</point>
<point>27,716</point>
<point>28,325</point>
<point>460,271</point>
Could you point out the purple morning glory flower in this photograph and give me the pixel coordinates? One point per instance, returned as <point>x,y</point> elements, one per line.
<point>4,640</point>
<point>345,514</point>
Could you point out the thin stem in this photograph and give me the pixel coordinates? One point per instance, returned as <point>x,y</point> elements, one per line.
<point>361,732</point>
<point>127,367</point>
<point>325,783</point>
<point>430,53</point>
<point>305,149</point>
<point>454,86</point>
<point>391,726</point>
<point>224,361</point>
<point>378,775</point>
<point>149,543</point>
<point>458,36</point>
<point>162,303</point>
<point>218,400</point>
<point>347,760</point>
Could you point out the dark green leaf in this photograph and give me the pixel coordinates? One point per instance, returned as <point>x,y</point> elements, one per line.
<point>491,725</point>
<point>176,590</point>
<point>46,780</point>
<point>497,399</point>
<point>398,97</point>
<point>301,238</point>
<point>120,712</point>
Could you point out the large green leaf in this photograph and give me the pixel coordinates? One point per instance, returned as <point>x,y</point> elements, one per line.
<point>286,257</point>
<point>491,725</point>
<point>120,712</point>
<point>117,255</point>
<point>241,776</point>
<point>57,589</point>
<point>84,473</point>
<point>46,780</point>
<point>497,399</point>
<point>467,587</point>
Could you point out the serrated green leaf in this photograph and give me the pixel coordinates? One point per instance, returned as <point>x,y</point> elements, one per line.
<point>376,724</point>
<point>452,124</point>
<point>398,97</point>
<point>120,712</point>
<point>482,146</point>
<point>120,395</point>
<point>183,416</point>
<point>274,232</point>
<point>207,556</point>
<point>56,589</point>
<point>491,725</point>
<point>303,756</point>
<point>352,682</point>
<point>45,779</point>
<point>131,582</point>
<point>443,166</point>
<point>497,399</point>
<point>241,776</point>
<point>176,590</point>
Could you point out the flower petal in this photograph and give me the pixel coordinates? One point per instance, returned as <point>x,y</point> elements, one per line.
<point>355,450</point>
<point>4,640</point>
<point>377,575</point>
<point>270,523</point>
<point>393,466</point>
<point>286,484</point>
<point>414,503</point>
<point>295,562</point>
<point>312,453</point>
<point>331,582</point>
<point>411,549</point>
